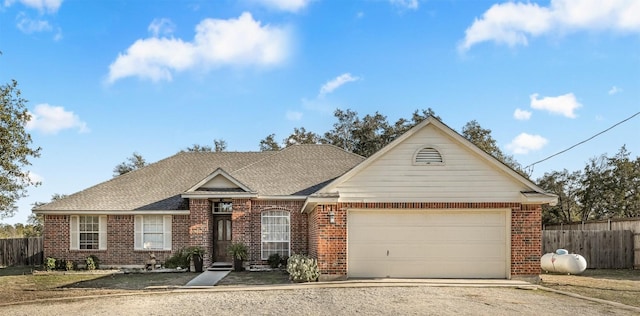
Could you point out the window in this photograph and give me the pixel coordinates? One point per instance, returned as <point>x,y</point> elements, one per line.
<point>222,207</point>
<point>88,232</point>
<point>152,232</point>
<point>428,156</point>
<point>275,233</point>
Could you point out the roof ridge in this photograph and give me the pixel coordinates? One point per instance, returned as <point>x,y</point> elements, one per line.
<point>275,152</point>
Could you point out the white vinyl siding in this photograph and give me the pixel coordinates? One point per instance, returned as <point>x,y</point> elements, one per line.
<point>275,233</point>
<point>88,232</point>
<point>465,177</point>
<point>152,232</point>
<point>465,243</point>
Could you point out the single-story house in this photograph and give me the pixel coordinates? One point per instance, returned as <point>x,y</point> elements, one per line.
<point>428,205</point>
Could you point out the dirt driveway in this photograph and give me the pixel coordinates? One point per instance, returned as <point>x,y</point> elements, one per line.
<point>408,300</point>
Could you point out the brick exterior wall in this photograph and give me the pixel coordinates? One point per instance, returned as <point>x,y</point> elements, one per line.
<point>120,241</point>
<point>329,241</point>
<point>526,240</point>
<point>310,233</point>
<point>312,243</point>
<point>201,227</point>
<point>247,219</point>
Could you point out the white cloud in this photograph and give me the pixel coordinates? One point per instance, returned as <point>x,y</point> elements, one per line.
<point>513,23</point>
<point>405,4</point>
<point>524,143</point>
<point>235,42</point>
<point>614,90</point>
<point>34,177</point>
<point>335,83</point>
<point>294,116</point>
<point>50,6</point>
<point>162,26</point>
<point>521,115</point>
<point>285,5</point>
<point>52,119</point>
<point>28,26</point>
<point>564,104</point>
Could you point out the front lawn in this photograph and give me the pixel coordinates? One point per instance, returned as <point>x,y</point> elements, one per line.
<point>18,284</point>
<point>255,278</point>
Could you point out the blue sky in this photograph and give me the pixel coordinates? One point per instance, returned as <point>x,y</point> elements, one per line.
<point>107,78</point>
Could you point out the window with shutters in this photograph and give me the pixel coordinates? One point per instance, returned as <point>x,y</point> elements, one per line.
<point>152,232</point>
<point>88,232</point>
<point>428,156</point>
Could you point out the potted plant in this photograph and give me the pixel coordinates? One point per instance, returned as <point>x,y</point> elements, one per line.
<point>238,252</point>
<point>196,254</point>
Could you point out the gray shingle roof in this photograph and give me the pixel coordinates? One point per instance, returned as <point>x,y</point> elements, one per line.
<point>296,170</point>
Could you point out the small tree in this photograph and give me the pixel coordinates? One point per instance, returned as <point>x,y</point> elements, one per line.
<point>15,148</point>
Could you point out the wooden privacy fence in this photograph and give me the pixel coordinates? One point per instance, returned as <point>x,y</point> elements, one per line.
<point>603,249</point>
<point>632,224</point>
<point>21,251</point>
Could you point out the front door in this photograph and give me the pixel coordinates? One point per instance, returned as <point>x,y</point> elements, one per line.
<point>221,238</point>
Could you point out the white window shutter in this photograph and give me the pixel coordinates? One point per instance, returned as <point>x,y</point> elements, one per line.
<point>102,234</point>
<point>74,234</point>
<point>167,232</point>
<point>138,233</point>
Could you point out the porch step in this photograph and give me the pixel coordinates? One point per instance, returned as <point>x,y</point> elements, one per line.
<point>221,266</point>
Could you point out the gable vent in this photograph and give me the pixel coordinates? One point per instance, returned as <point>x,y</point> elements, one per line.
<point>428,156</point>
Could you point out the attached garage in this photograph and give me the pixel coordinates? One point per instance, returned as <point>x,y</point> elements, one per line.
<point>410,243</point>
<point>428,205</point>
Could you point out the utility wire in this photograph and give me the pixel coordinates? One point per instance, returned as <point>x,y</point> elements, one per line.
<point>584,141</point>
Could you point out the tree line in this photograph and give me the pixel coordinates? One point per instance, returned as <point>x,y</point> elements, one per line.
<point>607,187</point>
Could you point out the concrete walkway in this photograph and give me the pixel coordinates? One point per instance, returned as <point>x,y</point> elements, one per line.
<point>207,279</point>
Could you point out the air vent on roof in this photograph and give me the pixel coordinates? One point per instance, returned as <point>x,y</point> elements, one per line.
<point>427,156</point>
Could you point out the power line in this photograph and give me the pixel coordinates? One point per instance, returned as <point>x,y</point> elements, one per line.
<point>584,141</point>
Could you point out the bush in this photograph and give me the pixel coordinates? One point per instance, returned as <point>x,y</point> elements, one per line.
<point>92,262</point>
<point>303,269</point>
<point>61,264</point>
<point>179,259</point>
<point>274,260</point>
<point>50,263</point>
<point>283,261</point>
<point>70,265</point>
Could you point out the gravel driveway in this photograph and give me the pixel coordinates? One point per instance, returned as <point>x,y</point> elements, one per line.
<point>412,300</point>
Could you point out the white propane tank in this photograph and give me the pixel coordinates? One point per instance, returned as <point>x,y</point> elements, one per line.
<point>563,262</point>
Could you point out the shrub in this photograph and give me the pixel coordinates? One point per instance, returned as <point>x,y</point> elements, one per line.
<point>283,261</point>
<point>92,262</point>
<point>238,251</point>
<point>61,264</point>
<point>179,259</point>
<point>274,260</point>
<point>70,265</point>
<point>303,269</point>
<point>50,263</point>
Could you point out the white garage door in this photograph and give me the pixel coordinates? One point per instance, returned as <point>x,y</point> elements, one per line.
<point>428,243</point>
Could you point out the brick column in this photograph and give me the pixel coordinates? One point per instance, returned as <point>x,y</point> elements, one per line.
<point>331,239</point>
<point>526,240</point>
<point>200,226</point>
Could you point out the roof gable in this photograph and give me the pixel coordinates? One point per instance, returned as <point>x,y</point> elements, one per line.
<point>394,174</point>
<point>219,180</point>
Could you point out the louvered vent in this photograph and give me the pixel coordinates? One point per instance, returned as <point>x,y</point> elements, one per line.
<point>428,156</point>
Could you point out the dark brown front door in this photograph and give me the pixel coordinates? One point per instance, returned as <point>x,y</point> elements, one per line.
<point>221,238</point>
